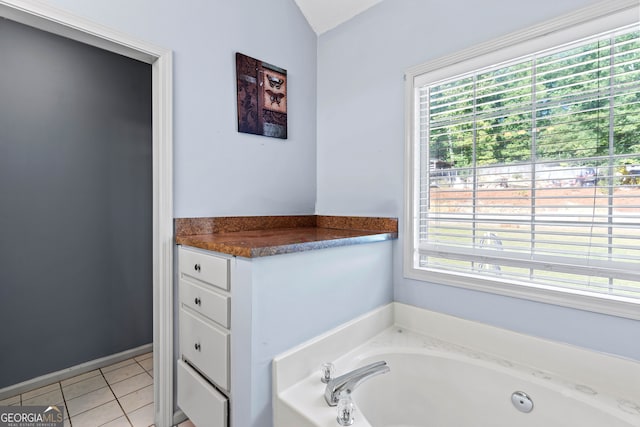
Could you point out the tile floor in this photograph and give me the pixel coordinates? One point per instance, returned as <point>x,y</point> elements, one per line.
<point>120,395</point>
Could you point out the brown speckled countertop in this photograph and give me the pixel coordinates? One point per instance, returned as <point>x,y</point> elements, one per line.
<point>272,235</point>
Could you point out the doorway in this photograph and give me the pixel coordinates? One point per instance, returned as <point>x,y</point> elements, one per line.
<point>61,23</point>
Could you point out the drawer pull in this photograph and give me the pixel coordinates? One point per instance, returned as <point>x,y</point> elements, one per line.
<point>197,301</point>
<point>197,346</point>
<point>197,267</point>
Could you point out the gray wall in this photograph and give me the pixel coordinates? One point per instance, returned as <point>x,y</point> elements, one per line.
<point>75,203</point>
<point>361,145</point>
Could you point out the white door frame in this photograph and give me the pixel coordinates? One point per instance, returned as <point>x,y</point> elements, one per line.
<point>56,21</point>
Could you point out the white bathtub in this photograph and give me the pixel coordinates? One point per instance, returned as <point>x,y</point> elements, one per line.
<point>440,382</point>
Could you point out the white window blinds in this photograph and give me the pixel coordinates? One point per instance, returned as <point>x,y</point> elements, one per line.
<point>530,170</point>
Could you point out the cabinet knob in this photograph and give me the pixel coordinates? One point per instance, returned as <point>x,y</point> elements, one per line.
<point>197,346</point>
<point>196,267</point>
<point>197,301</point>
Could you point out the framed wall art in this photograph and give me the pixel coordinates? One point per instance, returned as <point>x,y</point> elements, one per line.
<point>262,97</point>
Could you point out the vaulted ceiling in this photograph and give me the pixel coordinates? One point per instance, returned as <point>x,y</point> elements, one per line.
<point>324,15</point>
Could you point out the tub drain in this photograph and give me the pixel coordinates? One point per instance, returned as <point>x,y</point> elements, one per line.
<point>522,401</point>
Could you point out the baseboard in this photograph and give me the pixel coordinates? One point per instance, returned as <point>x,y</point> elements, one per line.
<point>73,371</point>
<point>179,417</point>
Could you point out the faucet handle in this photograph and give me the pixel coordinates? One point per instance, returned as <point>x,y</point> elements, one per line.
<point>327,371</point>
<point>346,409</point>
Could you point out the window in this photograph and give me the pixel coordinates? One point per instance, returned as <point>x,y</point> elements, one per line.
<point>524,166</point>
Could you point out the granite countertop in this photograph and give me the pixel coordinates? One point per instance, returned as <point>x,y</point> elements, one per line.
<point>252,237</point>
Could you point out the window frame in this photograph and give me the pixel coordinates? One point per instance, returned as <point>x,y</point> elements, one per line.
<point>583,23</point>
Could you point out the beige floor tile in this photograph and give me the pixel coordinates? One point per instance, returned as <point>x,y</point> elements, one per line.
<point>53,397</point>
<point>117,365</point>
<point>79,378</point>
<point>98,416</point>
<point>83,387</point>
<point>132,384</point>
<point>143,417</point>
<point>15,400</point>
<point>137,399</point>
<point>118,422</point>
<point>89,401</point>
<point>123,373</point>
<point>40,391</point>
<point>147,364</point>
<point>143,356</point>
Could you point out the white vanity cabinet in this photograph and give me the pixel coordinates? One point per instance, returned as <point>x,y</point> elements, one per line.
<point>205,334</point>
<point>236,314</point>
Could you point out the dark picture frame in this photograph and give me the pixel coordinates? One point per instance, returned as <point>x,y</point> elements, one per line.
<point>262,97</point>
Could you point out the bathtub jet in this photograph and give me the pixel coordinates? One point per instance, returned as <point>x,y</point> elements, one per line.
<point>348,382</point>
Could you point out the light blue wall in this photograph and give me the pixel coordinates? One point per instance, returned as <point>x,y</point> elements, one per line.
<point>361,145</point>
<point>282,301</point>
<point>218,171</point>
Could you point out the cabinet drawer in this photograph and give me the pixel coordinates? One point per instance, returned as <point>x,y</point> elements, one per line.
<point>205,346</point>
<point>203,404</point>
<point>208,302</point>
<point>208,268</point>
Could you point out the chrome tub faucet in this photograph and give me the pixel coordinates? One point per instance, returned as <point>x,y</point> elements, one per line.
<point>351,380</point>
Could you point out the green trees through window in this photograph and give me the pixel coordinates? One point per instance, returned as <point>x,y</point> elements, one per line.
<point>579,102</point>
<point>530,170</point>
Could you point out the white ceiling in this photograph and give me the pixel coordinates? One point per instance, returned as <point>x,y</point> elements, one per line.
<point>324,15</point>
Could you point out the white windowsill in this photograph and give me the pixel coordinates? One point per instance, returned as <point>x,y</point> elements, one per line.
<point>620,307</point>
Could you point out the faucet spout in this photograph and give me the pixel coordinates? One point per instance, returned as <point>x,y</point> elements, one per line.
<point>349,381</point>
